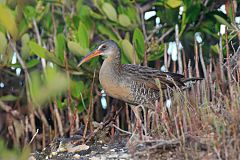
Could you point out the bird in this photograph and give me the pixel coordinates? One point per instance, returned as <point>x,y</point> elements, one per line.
<point>131,83</point>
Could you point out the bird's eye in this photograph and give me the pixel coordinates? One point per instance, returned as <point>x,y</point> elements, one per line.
<point>103,47</point>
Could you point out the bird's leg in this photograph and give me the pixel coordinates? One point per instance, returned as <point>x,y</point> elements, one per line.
<point>136,111</point>
<point>146,120</point>
<point>113,111</point>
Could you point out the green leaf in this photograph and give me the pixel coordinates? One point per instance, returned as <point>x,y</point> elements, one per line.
<point>168,15</point>
<point>3,43</point>
<point>132,14</point>
<point>76,49</point>
<point>190,14</point>
<point>84,15</point>
<point>15,152</point>
<point>76,89</point>
<point>25,49</point>
<point>138,41</point>
<point>83,37</point>
<point>109,10</point>
<point>23,27</point>
<point>206,27</point>
<point>53,76</point>
<point>215,48</point>
<point>30,64</point>
<point>29,12</point>
<point>83,11</point>
<point>60,46</point>
<point>43,89</point>
<point>157,54</point>
<point>60,104</point>
<point>9,97</point>
<point>129,51</point>
<point>173,3</point>
<point>43,53</point>
<point>183,21</point>
<point>221,20</point>
<point>80,107</point>
<point>106,31</point>
<point>8,20</point>
<point>124,20</point>
<point>96,15</point>
<point>37,49</point>
<point>193,12</point>
<point>46,22</point>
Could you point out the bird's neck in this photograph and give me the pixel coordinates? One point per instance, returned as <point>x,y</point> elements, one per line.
<point>110,73</point>
<point>113,62</point>
<point>110,69</point>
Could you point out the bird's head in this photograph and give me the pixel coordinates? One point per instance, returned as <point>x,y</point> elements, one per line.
<point>106,48</point>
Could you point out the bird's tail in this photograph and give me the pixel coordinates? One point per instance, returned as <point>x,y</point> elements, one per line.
<point>189,82</point>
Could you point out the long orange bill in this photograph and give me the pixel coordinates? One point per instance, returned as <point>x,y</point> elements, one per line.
<point>89,56</point>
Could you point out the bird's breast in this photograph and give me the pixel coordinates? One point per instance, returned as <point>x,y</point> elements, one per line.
<point>114,83</point>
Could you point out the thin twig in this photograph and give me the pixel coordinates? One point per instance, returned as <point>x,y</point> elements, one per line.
<point>146,7</point>
<point>69,97</point>
<point>229,70</point>
<point>180,67</point>
<point>197,68</point>
<point>143,23</point>
<point>58,119</point>
<point>155,30</point>
<point>121,129</point>
<point>165,34</point>
<point>9,109</point>
<point>33,137</point>
<point>184,63</point>
<point>202,61</point>
<point>165,57</point>
<point>43,61</point>
<point>90,108</point>
<point>161,38</point>
<point>220,51</point>
<point>53,21</point>
<point>127,117</point>
<point>144,33</point>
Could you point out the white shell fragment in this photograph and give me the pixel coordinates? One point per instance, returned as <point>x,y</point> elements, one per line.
<point>222,9</point>
<point>181,10</point>
<point>14,59</point>
<point>172,50</point>
<point>163,68</point>
<point>149,14</point>
<point>237,20</point>
<point>103,100</point>
<point>1,85</point>
<point>157,20</point>
<point>169,51</point>
<point>198,37</point>
<point>222,29</point>
<point>18,71</point>
<point>168,103</point>
<point>174,55</point>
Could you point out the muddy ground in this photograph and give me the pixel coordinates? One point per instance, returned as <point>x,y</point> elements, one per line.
<point>124,146</point>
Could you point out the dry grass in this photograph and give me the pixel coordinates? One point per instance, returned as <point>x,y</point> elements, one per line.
<point>202,123</point>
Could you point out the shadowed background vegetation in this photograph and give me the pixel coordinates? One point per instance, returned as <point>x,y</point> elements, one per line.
<point>43,95</point>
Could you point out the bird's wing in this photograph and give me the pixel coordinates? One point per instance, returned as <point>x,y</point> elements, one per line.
<point>148,76</point>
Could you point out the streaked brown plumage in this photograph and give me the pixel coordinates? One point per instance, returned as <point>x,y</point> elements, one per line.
<point>133,84</point>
